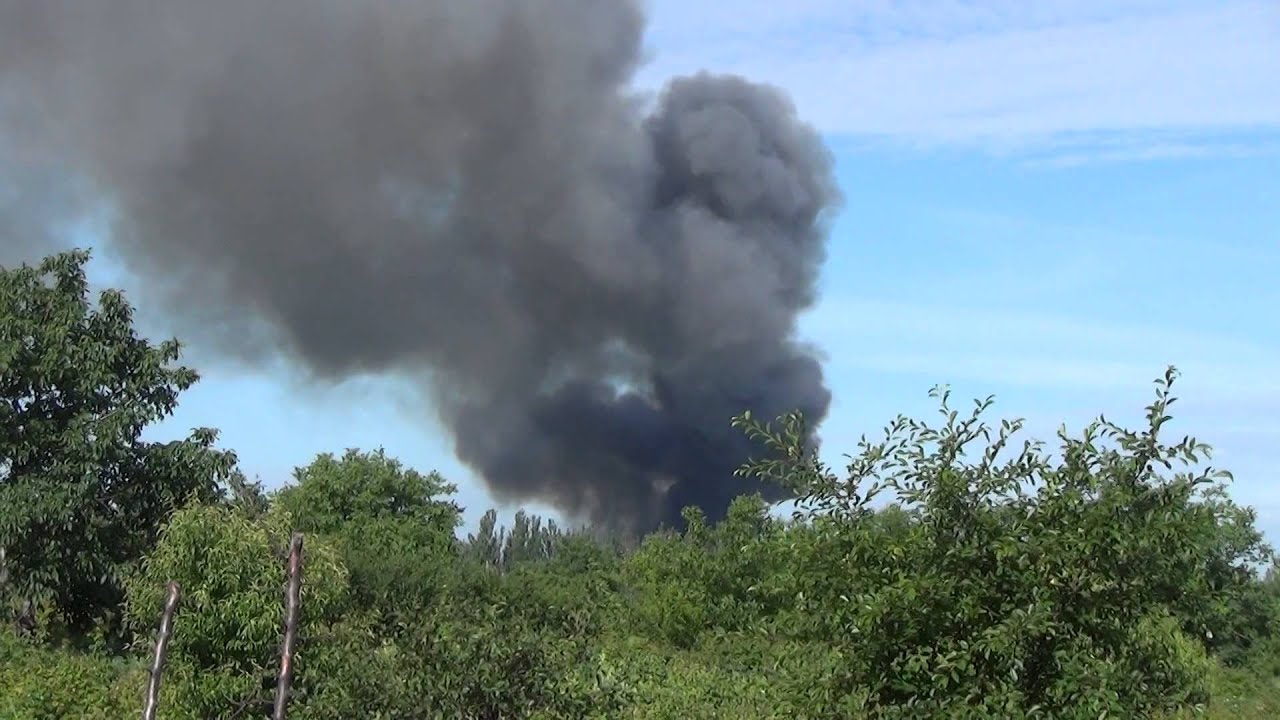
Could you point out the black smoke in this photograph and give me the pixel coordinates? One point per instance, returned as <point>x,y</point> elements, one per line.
<point>589,282</point>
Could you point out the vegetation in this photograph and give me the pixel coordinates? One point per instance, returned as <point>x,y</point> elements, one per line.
<point>1108,577</point>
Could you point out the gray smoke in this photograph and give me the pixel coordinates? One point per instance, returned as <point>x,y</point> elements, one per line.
<point>466,193</point>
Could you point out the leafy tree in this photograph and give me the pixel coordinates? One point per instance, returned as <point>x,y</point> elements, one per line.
<point>394,526</point>
<point>1077,586</point>
<point>246,495</point>
<point>332,492</point>
<point>225,649</point>
<point>485,544</point>
<point>531,539</point>
<point>81,496</point>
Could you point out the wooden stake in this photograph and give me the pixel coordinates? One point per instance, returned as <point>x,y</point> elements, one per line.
<point>292,600</point>
<point>162,651</point>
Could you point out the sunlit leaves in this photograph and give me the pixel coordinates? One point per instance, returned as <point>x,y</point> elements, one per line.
<point>231,569</point>
<point>1090,581</point>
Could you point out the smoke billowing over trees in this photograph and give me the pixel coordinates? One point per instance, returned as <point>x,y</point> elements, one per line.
<point>469,194</point>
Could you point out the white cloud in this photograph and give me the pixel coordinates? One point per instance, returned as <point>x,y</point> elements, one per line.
<point>1007,74</point>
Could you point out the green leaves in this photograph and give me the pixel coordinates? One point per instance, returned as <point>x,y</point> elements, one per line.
<point>331,492</point>
<point>42,684</point>
<point>394,526</point>
<point>81,496</point>
<point>1089,582</point>
<point>227,634</point>
<point>1000,580</point>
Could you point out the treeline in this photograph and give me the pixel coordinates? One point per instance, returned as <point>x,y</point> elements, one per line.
<point>1107,576</point>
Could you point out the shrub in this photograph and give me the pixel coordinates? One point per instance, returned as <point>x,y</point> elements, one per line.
<point>1023,584</point>
<point>225,649</point>
<point>38,683</point>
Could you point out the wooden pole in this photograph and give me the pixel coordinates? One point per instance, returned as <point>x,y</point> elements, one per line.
<point>292,599</point>
<point>162,651</point>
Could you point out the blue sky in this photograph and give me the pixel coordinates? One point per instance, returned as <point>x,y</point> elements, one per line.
<point>1045,201</point>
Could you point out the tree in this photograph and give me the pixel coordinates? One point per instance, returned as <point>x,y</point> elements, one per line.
<point>81,495</point>
<point>332,492</point>
<point>531,539</point>
<point>231,570</point>
<point>1083,583</point>
<point>246,496</point>
<point>392,524</point>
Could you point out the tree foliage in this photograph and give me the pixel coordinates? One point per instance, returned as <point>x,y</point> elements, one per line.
<point>1090,582</point>
<point>81,495</point>
<point>393,525</point>
<point>225,652</point>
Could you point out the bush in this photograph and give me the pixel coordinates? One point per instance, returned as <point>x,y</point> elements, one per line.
<point>225,649</point>
<point>46,684</point>
<point>392,525</point>
<point>1112,577</point>
<point>1069,587</point>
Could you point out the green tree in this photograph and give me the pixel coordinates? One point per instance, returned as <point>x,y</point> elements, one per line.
<point>225,650</point>
<point>485,545</point>
<point>332,492</point>
<point>81,495</point>
<point>1078,584</point>
<point>395,526</point>
<point>531,539</point>
<point>246,495</point>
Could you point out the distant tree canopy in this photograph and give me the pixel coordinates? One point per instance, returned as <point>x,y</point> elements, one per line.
<point>81,496</point>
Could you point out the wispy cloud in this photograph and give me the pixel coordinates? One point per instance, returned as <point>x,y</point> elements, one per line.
<point>1128,78</point>
<point>1152,145</point>
<point>1051,368</point>
<point>1011,347</point>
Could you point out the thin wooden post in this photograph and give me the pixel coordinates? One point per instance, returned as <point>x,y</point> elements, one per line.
<point>162,651</point>
<point>292,599</point>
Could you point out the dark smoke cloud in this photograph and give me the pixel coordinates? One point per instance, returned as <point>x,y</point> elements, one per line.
<point>35,205</point>
<point>468,193</point>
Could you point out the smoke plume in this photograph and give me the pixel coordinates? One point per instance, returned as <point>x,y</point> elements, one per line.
<point>589,282</point>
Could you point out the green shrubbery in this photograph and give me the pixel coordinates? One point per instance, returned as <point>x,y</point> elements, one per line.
<point>226,650</point>
<point>1000,580</point>
<point>40,683</point>
<point>1073,585</point>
